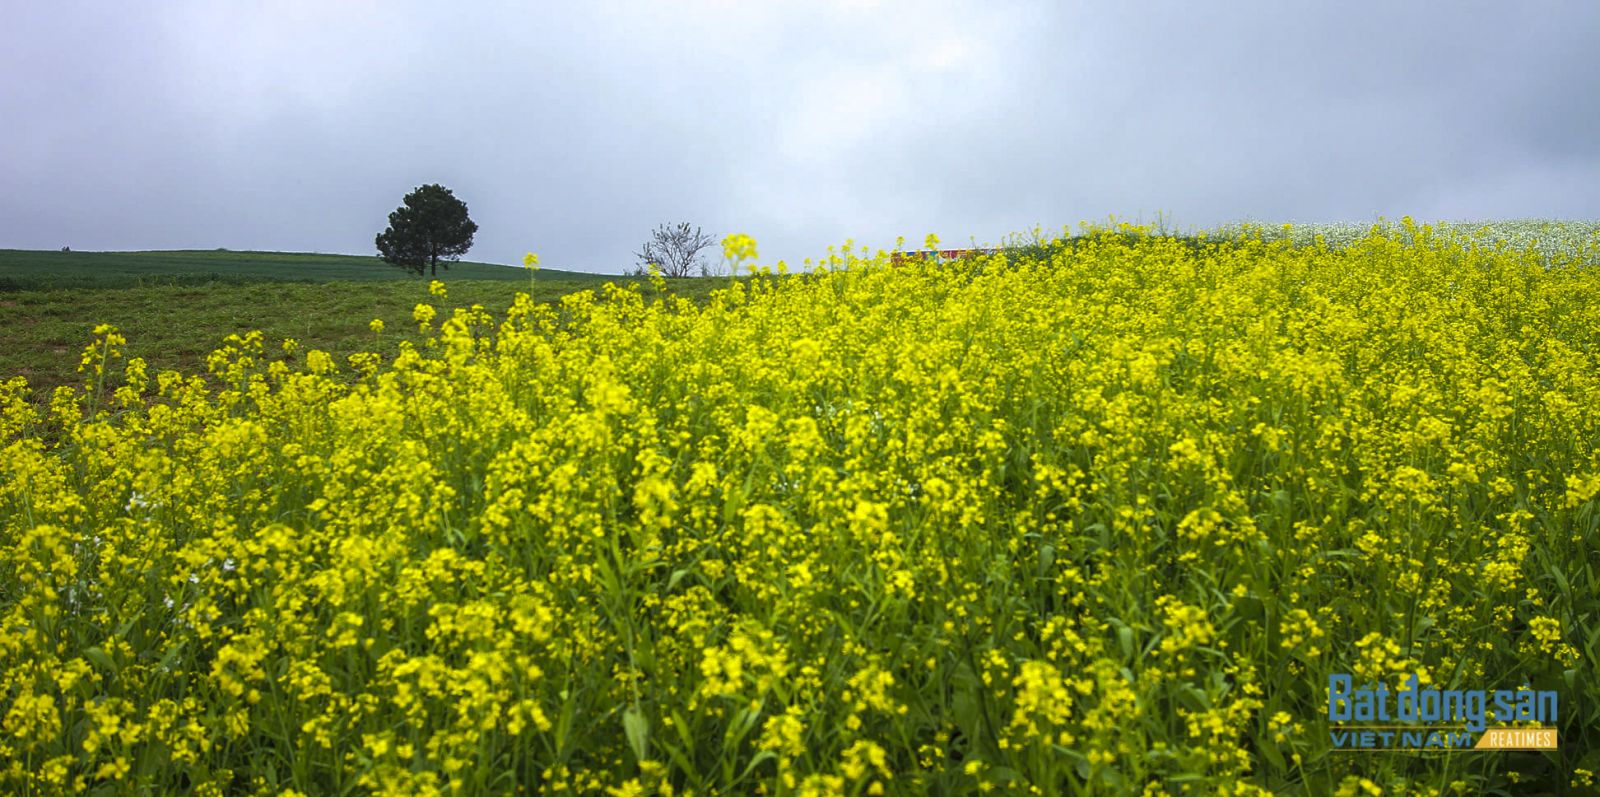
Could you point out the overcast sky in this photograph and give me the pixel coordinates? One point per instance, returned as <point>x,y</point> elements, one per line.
<point>299,125</point>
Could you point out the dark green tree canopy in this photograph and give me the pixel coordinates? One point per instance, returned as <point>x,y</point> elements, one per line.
<point>432,225</point>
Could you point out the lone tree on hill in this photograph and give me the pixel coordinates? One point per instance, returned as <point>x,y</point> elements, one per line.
<point>675,250</point>
<point>430,226</point>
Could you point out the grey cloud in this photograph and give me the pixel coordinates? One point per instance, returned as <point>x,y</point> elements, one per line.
<point>299,125</point>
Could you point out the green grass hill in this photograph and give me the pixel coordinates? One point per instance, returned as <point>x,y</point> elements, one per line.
<point>23,269</point>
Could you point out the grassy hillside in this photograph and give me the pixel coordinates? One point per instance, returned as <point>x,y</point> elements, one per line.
<point>23,269</point>
<point>1555,241</point>
<point>175,307</point>
<point>177,325</point>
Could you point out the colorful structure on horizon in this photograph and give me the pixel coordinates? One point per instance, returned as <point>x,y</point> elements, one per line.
<point>940,254</point>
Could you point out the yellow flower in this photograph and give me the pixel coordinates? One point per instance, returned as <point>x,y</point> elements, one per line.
<point>738,248</point>
<point>1075,500</point>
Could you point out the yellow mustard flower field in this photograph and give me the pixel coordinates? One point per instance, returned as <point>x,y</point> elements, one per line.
<point>1098,515</point>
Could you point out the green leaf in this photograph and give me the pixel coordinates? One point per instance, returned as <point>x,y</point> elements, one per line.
<point>564,721</point>
<point>681,725</point>
<point>1273,755</point>
<point>965,710</point>
<point>1125,640</point>
<point>764,755</point>
<point>677,575</point>
<point>637,729</point>
<point>101,659</point>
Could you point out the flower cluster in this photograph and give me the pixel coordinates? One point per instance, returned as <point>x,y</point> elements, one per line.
<point>1095,515</point>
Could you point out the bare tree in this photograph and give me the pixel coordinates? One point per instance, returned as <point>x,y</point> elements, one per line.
<point>675,250</point>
